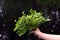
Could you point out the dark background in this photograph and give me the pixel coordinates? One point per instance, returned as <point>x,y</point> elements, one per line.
<point>12,9</point>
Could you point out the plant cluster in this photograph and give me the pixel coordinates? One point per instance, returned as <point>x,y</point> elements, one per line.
<point>29,22</point>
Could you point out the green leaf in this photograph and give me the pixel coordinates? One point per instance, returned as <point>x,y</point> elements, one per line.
<point>28,22</point>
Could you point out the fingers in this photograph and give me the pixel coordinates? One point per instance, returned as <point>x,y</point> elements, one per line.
<point>37,28</point>
<point>33,32</point>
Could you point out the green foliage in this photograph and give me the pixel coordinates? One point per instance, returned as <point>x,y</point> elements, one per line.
<point>28,22</point>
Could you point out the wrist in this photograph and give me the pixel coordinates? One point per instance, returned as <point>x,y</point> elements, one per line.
<point>39,34</point>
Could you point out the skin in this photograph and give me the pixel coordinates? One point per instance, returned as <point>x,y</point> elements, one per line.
<point>45,36</point>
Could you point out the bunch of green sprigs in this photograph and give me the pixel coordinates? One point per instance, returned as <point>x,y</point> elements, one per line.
<point>29,22</point>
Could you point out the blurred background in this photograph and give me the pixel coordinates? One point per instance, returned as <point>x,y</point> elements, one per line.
<point>10,10</point>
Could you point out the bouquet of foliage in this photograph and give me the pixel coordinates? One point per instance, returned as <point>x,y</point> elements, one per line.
<point>29,22</point>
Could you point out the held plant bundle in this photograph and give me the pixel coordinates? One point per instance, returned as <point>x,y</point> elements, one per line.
<point>29,22</point>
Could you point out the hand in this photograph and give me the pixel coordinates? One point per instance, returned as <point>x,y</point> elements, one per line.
<point>36,32</point>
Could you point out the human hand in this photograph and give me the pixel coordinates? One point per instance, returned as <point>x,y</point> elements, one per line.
<point>36,32</point>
